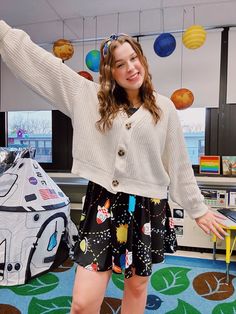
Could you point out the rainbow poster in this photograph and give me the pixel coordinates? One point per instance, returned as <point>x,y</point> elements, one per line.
<point>209,165</point>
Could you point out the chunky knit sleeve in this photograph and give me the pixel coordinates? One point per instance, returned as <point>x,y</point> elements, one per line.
<point>183,188</point>
<point>41,70</point>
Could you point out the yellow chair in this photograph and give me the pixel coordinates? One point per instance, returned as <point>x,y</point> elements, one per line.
<point>229,226</point>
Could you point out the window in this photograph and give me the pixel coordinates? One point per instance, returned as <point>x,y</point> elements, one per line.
<point>193,123</point>
<point>31,129</point>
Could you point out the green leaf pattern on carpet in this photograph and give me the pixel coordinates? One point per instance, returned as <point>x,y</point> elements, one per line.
<point>42,284</point>
<point>118,280</point>
<point>184,308</point>
<point>59,305</point>
<point>167,281</point>
<point>170,280</point>
<point>225,308</point>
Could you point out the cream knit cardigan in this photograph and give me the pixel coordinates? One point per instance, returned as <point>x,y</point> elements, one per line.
<point>153,159</point>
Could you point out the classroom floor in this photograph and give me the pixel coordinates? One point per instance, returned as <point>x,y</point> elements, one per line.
<point>203,255</point>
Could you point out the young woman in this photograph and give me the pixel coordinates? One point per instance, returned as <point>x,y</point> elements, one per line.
<point>128,143</point>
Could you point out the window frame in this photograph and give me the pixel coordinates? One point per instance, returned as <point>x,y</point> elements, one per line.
<point>61,141</point>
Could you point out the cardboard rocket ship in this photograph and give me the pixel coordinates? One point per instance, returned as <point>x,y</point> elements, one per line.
<point>34,222</point>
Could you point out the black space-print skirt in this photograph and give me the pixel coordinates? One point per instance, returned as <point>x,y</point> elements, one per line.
<point>122,232</point>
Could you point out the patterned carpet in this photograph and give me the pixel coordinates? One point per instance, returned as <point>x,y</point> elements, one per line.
<point>180,285</point>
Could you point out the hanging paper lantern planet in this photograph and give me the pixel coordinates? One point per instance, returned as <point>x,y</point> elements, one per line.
<point>164,45</point>
<point>92,60</point>
<point>194,37</point>
<point>63,48</point>
<point>182,98</point>
<point>86,74</point>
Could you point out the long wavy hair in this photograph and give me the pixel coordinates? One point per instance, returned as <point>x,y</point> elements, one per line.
<point>112,97</point>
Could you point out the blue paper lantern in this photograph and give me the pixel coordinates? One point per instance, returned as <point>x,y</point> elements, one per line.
<point>164,45</point>
<point>92,60</point>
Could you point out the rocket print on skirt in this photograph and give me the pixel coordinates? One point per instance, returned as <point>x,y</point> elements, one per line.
<point>92,267</point>
<point>103,213</point>
<point>128,258</point>
<point>171,223</point>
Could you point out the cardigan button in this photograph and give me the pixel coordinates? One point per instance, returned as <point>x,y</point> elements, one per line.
<point>128,125</point>
<point>121,152</point>
<point>115,183</point>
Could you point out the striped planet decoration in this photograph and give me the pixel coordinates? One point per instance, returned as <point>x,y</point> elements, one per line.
<point>194,37</point>
<point>92,60</point>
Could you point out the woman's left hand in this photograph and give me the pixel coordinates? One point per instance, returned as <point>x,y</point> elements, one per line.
<point>212,222</point>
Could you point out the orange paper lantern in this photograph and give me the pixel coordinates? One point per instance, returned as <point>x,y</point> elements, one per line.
<point>182,98</point>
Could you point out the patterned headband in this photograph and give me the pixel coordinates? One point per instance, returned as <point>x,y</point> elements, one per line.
<point>109,41</point>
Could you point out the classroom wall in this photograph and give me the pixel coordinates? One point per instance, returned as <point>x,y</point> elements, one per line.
<point>197,70</point>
